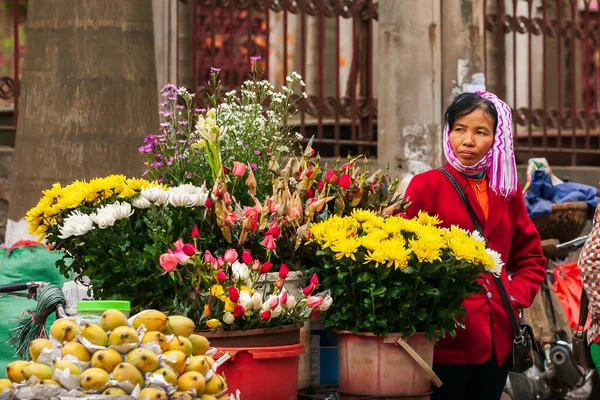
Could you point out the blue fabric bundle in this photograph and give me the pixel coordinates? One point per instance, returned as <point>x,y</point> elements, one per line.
<point>542,194</point>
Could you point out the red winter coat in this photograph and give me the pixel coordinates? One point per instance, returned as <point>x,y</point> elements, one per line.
<point>511,233</point>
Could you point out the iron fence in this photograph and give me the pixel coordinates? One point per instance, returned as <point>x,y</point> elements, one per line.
<point>543,57</point>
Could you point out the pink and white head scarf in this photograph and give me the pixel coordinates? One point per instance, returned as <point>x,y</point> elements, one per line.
<point>500,160</point>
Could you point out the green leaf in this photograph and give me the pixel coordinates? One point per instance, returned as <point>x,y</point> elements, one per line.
<point>379,291</point>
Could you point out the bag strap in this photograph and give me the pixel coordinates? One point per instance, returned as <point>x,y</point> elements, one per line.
<point>583,309</point>
<point>477,225</point>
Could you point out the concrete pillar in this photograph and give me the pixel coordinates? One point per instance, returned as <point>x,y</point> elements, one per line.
<point>462,46</point>
<point>165,41</point>
<point>410,95</point>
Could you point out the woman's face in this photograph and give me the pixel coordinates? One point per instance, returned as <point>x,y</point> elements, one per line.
<point>472,137</point>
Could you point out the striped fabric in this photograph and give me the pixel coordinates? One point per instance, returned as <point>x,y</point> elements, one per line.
<point>589,266</point>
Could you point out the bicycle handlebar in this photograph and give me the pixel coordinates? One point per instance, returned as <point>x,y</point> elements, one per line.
<point>15,287</point>
<point>572,244</point>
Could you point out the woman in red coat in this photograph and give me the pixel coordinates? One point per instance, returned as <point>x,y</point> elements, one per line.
<point>478,147</point>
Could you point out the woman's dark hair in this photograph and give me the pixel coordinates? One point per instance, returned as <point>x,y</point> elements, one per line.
<point>466,103</point>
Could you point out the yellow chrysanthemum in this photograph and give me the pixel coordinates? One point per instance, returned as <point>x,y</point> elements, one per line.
<point>346,248</point>
<point>363,215</point>
<point>137,184</point>
<point>463,249</point>
<point>217,291</point>
<point>426,219</point>
<point>427,248</point>
<point>54,192</point>
<point>127,192</point>
<point>72,197</point>
<point>373,239</point>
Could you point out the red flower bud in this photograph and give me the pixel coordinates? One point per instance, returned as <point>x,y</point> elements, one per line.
<point>226,170</point>
<point>266,267</point>
<point>266,315</point>
<point>234,294</point>
<point>247,257</point>
<point>195,234</point>
<point>331,177</point>
<point>221,277</point>
<point>309,173</point>
<point>310,193</point>
<point>209,203</point>
<point>274,231</point>
<point>283,271</point>
<point>307,291</point>
<point>320,185</point>
<point>313,152</point>
<point>346,167</point>
<point>188,249</point>
<point>314,280</point>
<point>279,283</point>
<point>238,310</point>
<point>345,181</point>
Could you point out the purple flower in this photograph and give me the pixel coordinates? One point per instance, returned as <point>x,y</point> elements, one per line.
<point>170,161</point>
<point>255,58</point>
<point>156,164</point>
<point>145,172</point>
<point>160,180</point>
<point>150,139</point>
<point>146,149</point>
<point>200,110</point>
<point>188,175</point>
<point>246,146</point>
<point>257,152</point>
<point>253,166</point>
<point>165,124</point>
<point>213,69</point>
<point>179,107</point>
<point>164,104</point>
<point>182,122</point>
<point>165,113</point>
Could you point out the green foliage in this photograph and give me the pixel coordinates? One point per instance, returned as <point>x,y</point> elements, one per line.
<point>380,299</point>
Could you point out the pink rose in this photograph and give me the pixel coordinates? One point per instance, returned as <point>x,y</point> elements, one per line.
<point>314,301</point>
<point>266,267</point>
<point>239,169</point>
<point>274,231</point>
<point>230,256</point>
<point>284,297</point>
<point>279,283</point>
<point>274,302</point>
<point>168,262</point>
<point>188,249</point>
<point>221,277</point>
<point>269,242</point>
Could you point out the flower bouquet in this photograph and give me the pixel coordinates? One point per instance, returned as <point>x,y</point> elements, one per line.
<point>232,292</point>
<point>390,274</point>
<point>113,231</point>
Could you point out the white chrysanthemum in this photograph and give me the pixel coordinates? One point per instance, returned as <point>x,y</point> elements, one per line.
<point>76,224</point>
<point>122,210</point>
<point>141,203</point>
<point>104,217</point>
<point>477,236</point>
<point>155,194</point>
<point>495,269</point>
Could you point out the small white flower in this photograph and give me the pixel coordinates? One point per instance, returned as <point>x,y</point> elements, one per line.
<point>228,318</point>
<point>141,203</point>
<point>245,299</point>
<point>327,301</point>
<point>477,236</point>
<point>291,302</point>
<point>76,224</point>
<point>256,301</point>
<point>239,271</point>
<point>276,311</point>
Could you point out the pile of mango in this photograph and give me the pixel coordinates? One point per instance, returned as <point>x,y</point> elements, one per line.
<point>151,356</point>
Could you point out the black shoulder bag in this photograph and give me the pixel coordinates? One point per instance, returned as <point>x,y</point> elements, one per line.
<point>524,341</point>
<point>581,349</point>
